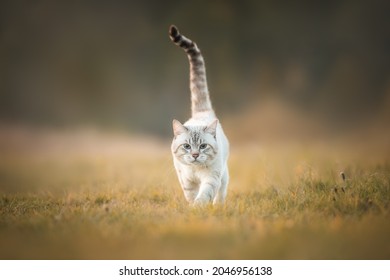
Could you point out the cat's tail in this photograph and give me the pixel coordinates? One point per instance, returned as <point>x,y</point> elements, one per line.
<point>200,98</point>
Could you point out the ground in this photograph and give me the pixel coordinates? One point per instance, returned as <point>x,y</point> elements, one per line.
<point>92,195</point>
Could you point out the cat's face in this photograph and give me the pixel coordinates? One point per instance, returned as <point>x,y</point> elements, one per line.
<point>194,145</point>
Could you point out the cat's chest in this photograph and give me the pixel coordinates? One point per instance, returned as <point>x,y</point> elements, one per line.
<point>194,174</point>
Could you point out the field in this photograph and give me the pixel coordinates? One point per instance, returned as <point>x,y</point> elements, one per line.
<point>91,195</point>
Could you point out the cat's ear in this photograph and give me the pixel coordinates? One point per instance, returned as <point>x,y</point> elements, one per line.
<point>178,128</point>
<point>212,128</point>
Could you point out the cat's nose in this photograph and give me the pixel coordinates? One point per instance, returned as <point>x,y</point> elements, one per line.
<point>195,155</point>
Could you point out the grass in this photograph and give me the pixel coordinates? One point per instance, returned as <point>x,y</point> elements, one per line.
<point>93,196</point>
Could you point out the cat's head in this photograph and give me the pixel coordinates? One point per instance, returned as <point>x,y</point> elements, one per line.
<point>195,145</point>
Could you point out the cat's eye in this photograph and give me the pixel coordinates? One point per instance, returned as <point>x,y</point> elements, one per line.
<point>203,146</point>
<point>187,146</point>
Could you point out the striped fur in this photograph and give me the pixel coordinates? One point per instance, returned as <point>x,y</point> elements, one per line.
<point>200,98</point>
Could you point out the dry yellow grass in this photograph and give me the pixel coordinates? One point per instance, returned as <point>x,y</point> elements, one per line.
<point>89,195</point>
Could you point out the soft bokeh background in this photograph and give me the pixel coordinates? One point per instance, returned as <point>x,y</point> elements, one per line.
<point>110,64</point>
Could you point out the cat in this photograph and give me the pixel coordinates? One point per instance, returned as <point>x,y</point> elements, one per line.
<point>199,148</point>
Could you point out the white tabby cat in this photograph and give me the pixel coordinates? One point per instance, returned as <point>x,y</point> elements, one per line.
<point>200,149</point>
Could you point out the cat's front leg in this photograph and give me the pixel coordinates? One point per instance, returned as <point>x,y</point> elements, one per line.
<point>207,192</point>
<point>190,194</point>
<point>190,189</point>
<point>221,194</point>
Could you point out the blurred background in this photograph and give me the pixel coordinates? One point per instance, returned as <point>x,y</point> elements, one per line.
<point>274,67</point>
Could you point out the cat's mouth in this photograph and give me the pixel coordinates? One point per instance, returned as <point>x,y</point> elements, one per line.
<point>196,162</point>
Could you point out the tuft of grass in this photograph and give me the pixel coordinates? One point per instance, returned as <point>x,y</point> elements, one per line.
<point>126,203</point>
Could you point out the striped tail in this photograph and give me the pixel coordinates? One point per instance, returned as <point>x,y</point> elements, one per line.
<point>200,98</point>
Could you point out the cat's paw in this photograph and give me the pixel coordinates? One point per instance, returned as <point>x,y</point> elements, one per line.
<point>200,202</point>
